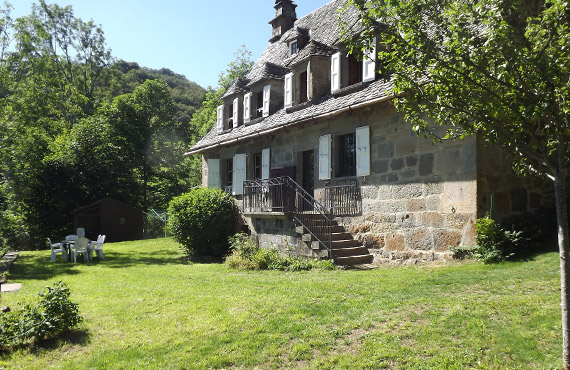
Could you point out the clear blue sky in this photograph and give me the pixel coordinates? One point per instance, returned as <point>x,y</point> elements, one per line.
<point>190,37</point>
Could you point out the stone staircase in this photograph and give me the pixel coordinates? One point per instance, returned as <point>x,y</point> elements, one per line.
<point>346,250</point>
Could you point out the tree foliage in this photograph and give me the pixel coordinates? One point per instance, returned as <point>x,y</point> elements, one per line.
<point>496,68</point>
<point>75,126</point>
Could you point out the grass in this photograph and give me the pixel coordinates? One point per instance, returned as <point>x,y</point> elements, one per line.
<point>145,307</point>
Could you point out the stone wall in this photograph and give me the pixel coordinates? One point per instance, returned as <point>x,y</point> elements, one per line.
<point>421,198</point>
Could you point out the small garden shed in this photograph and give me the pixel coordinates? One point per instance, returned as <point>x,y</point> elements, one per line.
<point>117,220</point>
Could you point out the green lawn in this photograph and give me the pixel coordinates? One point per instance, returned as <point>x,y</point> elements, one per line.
<point>145,307</point>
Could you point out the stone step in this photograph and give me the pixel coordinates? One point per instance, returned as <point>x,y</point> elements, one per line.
<point>337,244</point>
<point>351,251</point>
<point>354,260</point>
<point>341,236</point>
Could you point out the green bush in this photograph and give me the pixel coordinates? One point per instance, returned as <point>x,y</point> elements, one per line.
<point>494,244</point>
<point>53,314</point>
<point>246,255</point>
<point>202,220</point>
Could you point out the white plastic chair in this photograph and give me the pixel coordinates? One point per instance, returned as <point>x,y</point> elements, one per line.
<point>71,237</point>
<point>81,232</point>
<point>97,246</point>
<point>81,246</point>
<point>55,249</point>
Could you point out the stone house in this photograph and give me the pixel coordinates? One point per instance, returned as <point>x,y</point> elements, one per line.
<point>322,165</point>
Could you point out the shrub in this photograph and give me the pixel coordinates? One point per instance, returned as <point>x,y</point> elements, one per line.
<point>246,255</point>
<point>494,244</point>
<point>202,220</point>
<point>53,314</point>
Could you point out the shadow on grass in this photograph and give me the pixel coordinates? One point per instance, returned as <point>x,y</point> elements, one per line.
<point>36,267</point>
<point>73,337</point>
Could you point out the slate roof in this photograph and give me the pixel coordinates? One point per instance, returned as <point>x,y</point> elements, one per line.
<point>237,87</point>
<point>325,32</point>
<point>312,48</point>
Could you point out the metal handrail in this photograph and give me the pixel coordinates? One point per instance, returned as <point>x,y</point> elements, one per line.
<point>343,197</point>
<point>283,194</point>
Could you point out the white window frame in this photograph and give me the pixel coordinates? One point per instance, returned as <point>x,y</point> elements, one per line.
<point>335,71</point>
<point>220,119</point>
<point>266,100</point>
<point>288,90</point>
<point>369,63</point>
<point>247,107</point>
<point>235,118</point>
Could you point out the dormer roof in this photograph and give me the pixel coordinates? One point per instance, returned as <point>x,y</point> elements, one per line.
<point>269,71</point>
<point>313,48</point>
<point>296,33</point>
<point>239,86</point>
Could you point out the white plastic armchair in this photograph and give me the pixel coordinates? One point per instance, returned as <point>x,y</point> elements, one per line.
<point>97,246</point>
<point>81,246</point>
<point>55,249</point>
<point>71,237</point>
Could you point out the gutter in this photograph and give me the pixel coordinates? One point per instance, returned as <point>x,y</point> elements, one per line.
<point>306,120</point>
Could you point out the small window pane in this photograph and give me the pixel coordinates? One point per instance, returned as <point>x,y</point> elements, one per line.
<point>347,155</point>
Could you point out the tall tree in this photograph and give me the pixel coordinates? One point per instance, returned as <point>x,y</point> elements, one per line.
<point>499,69</point>
<point>142,121</point>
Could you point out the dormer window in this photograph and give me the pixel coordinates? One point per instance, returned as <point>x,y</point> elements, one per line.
<point>350,69</point>
<point>294,47</point>
<point>230,120</point>
<point>259,104</point>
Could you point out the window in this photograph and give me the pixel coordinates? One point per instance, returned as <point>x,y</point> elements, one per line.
<point>229,172</point>
<point>294,47</point>
<point>259,105</point>
<point>230,121</point>
<point>346,155</point>
<point>354,70</point>
<point>257,166</point>
<point>303,86</point>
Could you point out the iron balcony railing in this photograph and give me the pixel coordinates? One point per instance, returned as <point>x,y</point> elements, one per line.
<point>343,197</point>
<point>283,194</point>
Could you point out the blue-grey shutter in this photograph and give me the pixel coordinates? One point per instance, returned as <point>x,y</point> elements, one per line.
<point>239,174</point>
<point>325,157</point>
<point>363,151</point>
<point>213,173</point>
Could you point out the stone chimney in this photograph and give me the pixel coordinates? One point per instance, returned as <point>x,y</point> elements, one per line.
<point>285,17</point>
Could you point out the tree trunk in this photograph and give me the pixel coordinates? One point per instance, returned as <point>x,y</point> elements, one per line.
<point>562,218</point>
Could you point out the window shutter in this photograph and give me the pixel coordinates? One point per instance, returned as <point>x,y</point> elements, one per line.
<point>213,173</point>
<point>246,107</point>
<point>266,100</point>
<point>369,63</point>
<point>265,163</point>
<point>309,82</point>
<point>239,173</point>
<point>220,119</point>
<point>235,117</point>
<point>325,157</point>
<point>288,90</point>
<point>335,72</point>
<point>363,151</point>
